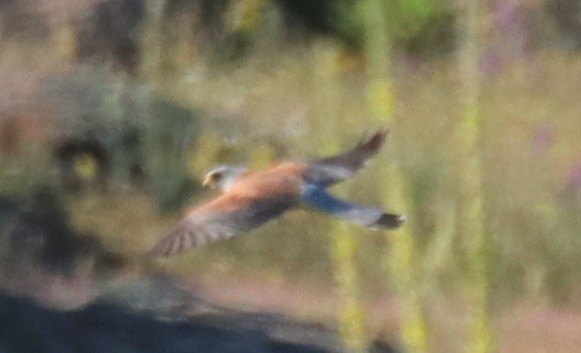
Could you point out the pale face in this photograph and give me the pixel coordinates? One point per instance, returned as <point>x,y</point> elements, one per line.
<point>222,177</point>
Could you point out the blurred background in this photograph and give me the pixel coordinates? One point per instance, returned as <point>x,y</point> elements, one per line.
<point>111,111</point>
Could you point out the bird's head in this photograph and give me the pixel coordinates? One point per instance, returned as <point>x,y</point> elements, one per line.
<point>223,176</point>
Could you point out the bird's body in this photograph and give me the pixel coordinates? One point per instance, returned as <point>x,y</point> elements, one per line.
<point>251,198</point>
<point>284,179</point>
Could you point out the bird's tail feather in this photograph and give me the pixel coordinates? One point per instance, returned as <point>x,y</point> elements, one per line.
<point>319,199</point>
<point>389,221</point>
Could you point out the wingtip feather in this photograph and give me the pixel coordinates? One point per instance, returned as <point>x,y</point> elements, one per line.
<point>159,250</point>
<point>374,142</point>
<point>166,247</point>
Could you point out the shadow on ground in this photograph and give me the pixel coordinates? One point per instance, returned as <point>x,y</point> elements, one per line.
<point>28,327</point>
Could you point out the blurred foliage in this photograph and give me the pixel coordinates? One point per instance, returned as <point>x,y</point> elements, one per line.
<point>351,315</point>
<point>22,175</point>
<point>166,144</point>
<point>343,242</point>
<point>182,110</point>
<point>471,217</point>
<point>229,30</point>
<point>567,15</point>
<point>402,256</point>
<point>417,26</point>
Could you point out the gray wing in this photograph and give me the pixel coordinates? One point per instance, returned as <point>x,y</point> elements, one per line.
<point>319,199</point>
<point>220,219</point>
<point>331,170</point>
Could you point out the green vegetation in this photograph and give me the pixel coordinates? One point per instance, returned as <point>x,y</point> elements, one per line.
<point>403,264</point>
<point>491,223</point>
<point>471,196</point>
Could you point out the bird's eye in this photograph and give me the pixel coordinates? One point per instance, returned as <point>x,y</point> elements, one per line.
<point>216,176</point>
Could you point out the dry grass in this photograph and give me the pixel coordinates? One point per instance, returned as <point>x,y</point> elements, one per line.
<point>534,247</point>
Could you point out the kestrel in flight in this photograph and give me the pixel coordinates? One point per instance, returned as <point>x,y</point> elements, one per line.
<point>251,198</point>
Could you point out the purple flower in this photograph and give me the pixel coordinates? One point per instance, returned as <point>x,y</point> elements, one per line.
<point>542,140</point>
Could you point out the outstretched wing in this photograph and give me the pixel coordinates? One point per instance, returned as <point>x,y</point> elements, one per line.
<point>224,217</point>
<point>319,199</point>
<point>331,170</point>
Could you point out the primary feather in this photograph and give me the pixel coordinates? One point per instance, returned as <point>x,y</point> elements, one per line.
<point>331,170</point>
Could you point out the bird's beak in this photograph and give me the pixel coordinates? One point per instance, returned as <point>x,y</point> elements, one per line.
<point>207,182</point>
